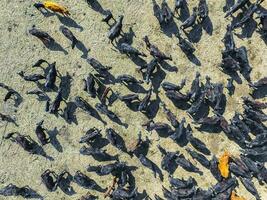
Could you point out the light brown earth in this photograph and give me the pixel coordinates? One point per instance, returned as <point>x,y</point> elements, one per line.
<point>19,50</point>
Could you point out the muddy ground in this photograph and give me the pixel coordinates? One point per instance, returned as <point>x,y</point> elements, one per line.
<point>19,50</point>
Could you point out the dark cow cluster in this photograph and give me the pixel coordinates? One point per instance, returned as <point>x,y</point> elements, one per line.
<point>247,129</point>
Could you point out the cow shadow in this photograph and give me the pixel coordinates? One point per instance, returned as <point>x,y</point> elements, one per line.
<point>69,22</point>
<point>54,141</point>
<point>195,34</point>
<point>207,25</point>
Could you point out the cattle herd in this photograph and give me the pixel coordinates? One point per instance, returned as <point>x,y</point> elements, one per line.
<point>246,129</point>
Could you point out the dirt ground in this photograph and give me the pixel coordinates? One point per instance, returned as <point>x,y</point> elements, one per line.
<point>19,50</point>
